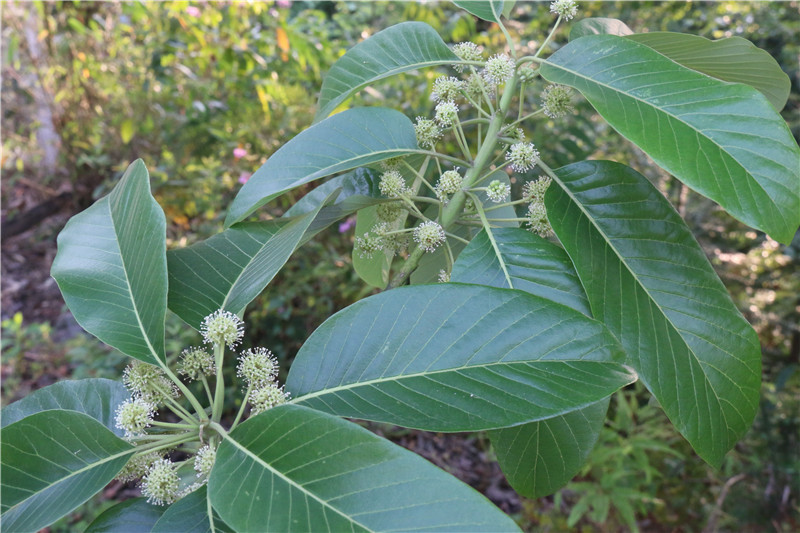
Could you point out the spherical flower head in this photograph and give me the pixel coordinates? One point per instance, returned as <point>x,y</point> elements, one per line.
<point>368,245</point>
<point>497,191</point>
<point>446,113</point>
<point>392,184</point>
<point>389,212</point>
<point>161,483</point>
<point>429,235</point>
<point>257,366</point>
<point>476,87</point>
<point>522,156</point>
<point>427,132</point>
<point>499,69</point>
<point>526,74</point>
<point>267,397</point>
<point>564,8</point>
<point>449,183</point>
<point>148,382</point>
<point>134,416</point>
<point>222,328</point>
<point>538,221</point>
<point>196,362</point>
<point>204,460</point>
<point>444,276</point>
<point>467,51</point>
<point>137,467</point>
<point>556,100</point>
<point>533,191</point>
<point>447,88</point>
<point>395,243</point>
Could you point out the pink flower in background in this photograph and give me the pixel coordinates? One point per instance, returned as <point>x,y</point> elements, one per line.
<point>239,153</point>
<point>284,3</point>
<point>243,177</point>
<point>347,225</point>
<point>193,11</point>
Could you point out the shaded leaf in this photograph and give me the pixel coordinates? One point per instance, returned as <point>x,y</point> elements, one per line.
<point>228,270</point>
<point>95,397</point>
<point>490,10</point>
<point>731,59</point>
<point>453,357</point>
<point>131,516</point>
<point>320,473</point>
<point>190,514</point>
<point>111,268</point>
<point>649,281</point>
<point>347,140</point>
<point>400,48</point>
<point>52,462</point>
<point>723,140</point>
<point>372,269</point>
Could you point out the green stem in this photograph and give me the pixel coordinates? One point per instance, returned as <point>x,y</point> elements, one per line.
<point>241,409</point>
<point>456,237</point>
<point>171,425</point>
<point>526,117</point>
<point>408,267</point>
<point>489,233</point>
<point>201,412</point>
<point>419,176</point>
<point>219,393</point>
<point>462,140</point>
<point>516,219</point>
<point>549,38</point>
<point>207,389</point>
<point>504,204</point>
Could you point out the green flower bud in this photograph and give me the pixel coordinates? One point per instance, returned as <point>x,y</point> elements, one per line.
<point>429,235</point>
<point>449,183</point>
<point>267,397</point>
<point>393,185</point>
<point>222,327</point>
<point>148,382</point>
<point>526,74</point>
<point>196,362</point>
<point>556,100</point>
<point>447,88</point>
<point>497,191</point>
<point>467,51</point>
<point>161,483</point>
<point>427,132</point>
<point>522,156</point>
<point>368,245</point>
<point>257,366</point>
<point>134,417</point>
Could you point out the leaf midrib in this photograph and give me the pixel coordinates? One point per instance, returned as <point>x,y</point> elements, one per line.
<point>290,481</point>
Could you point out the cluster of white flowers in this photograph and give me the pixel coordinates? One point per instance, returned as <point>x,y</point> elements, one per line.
<point>533,192</point>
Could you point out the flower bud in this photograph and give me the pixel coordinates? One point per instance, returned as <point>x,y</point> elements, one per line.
<point>447,88</point>
<point>556,100</point>
<point>161,483</point>
<point>267,397</point>
<point>368,245</point>
<point>497,191</point>
<point>449,183</point>
<point>467,51</point>
<point>134,416</point>
<point>148,382</point>
<point>196,362</point>
<point>427,132</point>
<point>393,185</point>
<point>444,276</point>
<point>222,327</point>
<point>257,366</point>
<point>389,212</point>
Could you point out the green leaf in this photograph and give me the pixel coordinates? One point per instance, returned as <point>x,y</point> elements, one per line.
<point>190,514</point>
<point>295,469</point>
<point>400,48</point>
<point>127,130</point>
<point>373,270</point>
<point>731,59</point>
<point>535,266</point>
<point>228,270</point>
<point>111,268</point>
<point>598,26</point>
<point>95,397</point>
<point>52,462</point>
<point>723,140</point>
<point>649,281</point>
<point>539,457</point>
<point>453,357</point>
<point>347,140</point>
<point>131,516</point>
<point>483,9</point>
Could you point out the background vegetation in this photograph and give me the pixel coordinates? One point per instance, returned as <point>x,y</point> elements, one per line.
<point>205,92</point>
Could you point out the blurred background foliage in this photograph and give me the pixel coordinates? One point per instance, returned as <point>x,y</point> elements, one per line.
<point>205,92</point>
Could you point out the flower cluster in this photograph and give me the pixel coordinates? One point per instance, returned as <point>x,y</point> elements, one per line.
<point>533,192</point>
<point>196,362</point>
<point>497,191</point>
<point>138,466</point>
<point>522,156</point>
<point>467,51</point>
<point>427,132</point>
<point>389,212</point>
<point>447,88</point>
<point>161,483</point>
<point>449,183</point>
<point>222,328</point>
<point>148,383</point>
<point>444,276</point>
<point>393,185</point>
<point>429,235</point>
<point>259,368</point>
<point>134,416</point>
<point>499,69</point>
<point>204,460</point>
<point>564,8</point>
<point>556,100</point>
<point>446,113</point>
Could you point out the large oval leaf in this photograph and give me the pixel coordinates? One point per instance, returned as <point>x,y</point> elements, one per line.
<point>131,516</point>
<point>723,140</point>
<point>295,469</point>
<point>598,26</point>
<point>534,265</point>
<point>52,462</point>
<point>455,357</point>
<point>731,59</point>
<point>347,140</point>
<point>400,48</point>
<point>191,514</point>
<point>649,281</point>
<point>490,10</point>
<point>228,270</point>
<point>95,397</point>
<point>111,268</point>
<point>539,457</point>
